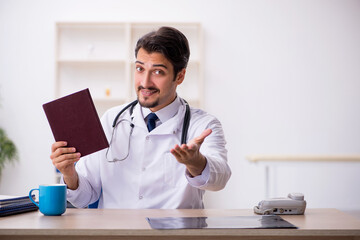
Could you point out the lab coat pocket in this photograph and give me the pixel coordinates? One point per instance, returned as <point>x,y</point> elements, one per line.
<point>174,171</point>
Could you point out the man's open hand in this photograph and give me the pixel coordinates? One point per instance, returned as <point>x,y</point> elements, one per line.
<point>190,155</point>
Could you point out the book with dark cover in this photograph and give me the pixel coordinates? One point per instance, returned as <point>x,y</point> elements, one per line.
<point>15,205</point>
<point>74,119</point>
<point>17,208</point>
<point>8,200</point>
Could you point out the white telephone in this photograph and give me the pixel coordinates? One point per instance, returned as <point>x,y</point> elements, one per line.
<point>293,204</point>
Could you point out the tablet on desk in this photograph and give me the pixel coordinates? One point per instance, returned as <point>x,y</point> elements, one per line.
<point>266,222</point>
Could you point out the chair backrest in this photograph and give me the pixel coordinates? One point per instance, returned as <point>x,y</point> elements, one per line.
<point>94,205</point>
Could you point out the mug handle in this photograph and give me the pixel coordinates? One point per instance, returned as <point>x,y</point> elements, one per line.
<point>31,196</point>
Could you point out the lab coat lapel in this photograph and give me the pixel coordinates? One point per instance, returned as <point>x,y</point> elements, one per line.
<point>172,125</point>
<point>169,127</point>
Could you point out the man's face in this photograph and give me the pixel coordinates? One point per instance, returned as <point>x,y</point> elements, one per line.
<point>154,80</point>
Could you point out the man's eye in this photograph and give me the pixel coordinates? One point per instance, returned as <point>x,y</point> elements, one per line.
<point>139,69</point>
<point>158,72</point>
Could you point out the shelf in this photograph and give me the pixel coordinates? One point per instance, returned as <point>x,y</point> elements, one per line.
<point>192,31</point>
<point>91,61</point>
<point>100,56</point>
<point>103,104</point>
<point>98,78</point>
<point>92,41</point>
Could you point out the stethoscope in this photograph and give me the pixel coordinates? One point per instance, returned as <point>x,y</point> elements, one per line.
<point>131,106</point>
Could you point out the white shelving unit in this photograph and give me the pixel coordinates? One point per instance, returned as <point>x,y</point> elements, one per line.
<point>100,56</point>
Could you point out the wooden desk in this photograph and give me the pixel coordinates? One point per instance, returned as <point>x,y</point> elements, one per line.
<point>131,224</point>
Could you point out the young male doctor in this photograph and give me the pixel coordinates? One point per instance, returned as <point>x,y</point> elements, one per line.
<point>146,166</point>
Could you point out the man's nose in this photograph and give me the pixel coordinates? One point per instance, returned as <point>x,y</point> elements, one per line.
<point>146,80</point>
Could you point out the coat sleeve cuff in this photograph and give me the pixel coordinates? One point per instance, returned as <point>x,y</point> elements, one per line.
<point>201,179</point>
<point>77,197</point>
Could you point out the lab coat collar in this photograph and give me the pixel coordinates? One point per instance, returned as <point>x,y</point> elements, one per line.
<point>165,113</point>
<point>171,118</point>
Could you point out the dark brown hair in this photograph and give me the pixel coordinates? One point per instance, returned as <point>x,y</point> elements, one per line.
<point>170,42</point>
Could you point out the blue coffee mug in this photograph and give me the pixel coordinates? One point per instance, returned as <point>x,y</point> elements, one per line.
<point>52,199</point>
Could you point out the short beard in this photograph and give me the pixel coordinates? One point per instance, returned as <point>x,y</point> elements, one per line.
<point>148,105</point>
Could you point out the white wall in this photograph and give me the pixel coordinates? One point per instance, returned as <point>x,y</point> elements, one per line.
<point>282,76</point>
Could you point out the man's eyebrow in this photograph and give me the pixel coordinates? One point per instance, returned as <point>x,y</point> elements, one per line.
<point>160,65</point>
<point>154,65</point>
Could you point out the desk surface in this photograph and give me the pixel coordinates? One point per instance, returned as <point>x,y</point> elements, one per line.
<point>131,224</point>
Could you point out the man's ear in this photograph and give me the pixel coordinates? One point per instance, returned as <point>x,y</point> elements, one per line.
<point>180,76</point>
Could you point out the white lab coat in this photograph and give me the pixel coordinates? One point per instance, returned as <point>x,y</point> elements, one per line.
<point>150,176</point>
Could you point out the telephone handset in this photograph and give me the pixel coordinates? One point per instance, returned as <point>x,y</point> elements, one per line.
<point>294,203</point>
